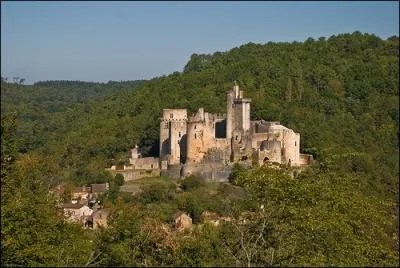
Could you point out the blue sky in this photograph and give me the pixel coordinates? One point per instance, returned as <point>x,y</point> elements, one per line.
<point>101,41</point>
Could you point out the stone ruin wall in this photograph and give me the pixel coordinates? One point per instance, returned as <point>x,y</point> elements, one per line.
<point>291,147</point>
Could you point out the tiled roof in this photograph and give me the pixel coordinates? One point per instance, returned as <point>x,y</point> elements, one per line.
<point>99,187</point>
<point>73,206</point>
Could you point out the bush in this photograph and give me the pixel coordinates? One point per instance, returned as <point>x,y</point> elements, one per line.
<point>192,182</point>
<point>156,193</point>
<point>119,179</point>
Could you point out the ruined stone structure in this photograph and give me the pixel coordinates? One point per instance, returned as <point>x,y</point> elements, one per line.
<point>208,144</point>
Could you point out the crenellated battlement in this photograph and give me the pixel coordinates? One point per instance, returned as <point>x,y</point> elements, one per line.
<point>173,120</point>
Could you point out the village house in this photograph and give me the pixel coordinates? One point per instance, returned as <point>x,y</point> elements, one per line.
<point>75,212</point>
<point>99,188</point>
<point>81,192</point>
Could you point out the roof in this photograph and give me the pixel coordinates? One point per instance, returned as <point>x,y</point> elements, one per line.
<point>99,187</point>
<point>73,206</point>
<point>81,189</point>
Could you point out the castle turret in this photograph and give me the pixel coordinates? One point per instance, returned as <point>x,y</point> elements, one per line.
<point>173,135</point>
<point>229,113</point>
<point>241,111</point>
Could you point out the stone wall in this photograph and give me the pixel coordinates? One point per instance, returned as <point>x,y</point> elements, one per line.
<point>135,174</point>
<point>145,163</point>
<point>172,130</point>
<point>208,171</point>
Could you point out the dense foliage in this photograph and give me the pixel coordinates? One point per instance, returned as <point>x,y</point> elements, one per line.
<point>341,94</point>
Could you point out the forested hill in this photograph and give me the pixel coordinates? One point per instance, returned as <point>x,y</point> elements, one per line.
<point>40,104</point>
<point>340,93</point>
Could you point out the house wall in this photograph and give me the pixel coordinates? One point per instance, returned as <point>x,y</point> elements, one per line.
<point>77,215</point>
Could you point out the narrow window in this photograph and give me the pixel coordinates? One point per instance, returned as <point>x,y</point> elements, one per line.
<point>171,115</point>
<point>194,126</point>
<point>151,165</point>
<point>194,135</point>
<point>236,137</point>
<point>295,143</point>
<point>179,134</point>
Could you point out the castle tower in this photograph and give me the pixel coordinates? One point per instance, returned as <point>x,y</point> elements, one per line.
<point>229,113</point>
<point>173,135</point>
<point>241,111</point>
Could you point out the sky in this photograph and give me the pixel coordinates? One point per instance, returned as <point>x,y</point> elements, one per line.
<point>102,41</point>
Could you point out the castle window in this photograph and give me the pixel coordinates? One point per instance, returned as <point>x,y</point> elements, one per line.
<point>195,127</point>
<point>295,143</point>
<point>236,138</point>
<point>171,115</point>
<point>194,135</point>
<point>151,165</point>
<point>179,134</point>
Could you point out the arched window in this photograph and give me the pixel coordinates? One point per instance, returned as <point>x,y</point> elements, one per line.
<point>194,135</point>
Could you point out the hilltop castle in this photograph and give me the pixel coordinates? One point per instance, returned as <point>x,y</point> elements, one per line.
<point>208,144</point>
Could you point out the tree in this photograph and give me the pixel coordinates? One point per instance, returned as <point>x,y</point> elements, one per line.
<point>119,179</point>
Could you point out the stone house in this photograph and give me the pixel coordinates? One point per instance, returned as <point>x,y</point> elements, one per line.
<point>182,221</point>
<point>75,212</point>
<point>99,188</point>
<point>81,192</point>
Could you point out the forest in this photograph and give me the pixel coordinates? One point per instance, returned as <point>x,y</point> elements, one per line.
<point>341,93</point>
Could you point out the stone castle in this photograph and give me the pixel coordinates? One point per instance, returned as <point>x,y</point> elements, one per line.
<point>207,145</point>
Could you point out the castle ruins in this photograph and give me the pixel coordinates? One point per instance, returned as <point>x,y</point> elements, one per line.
<point>207,145</point>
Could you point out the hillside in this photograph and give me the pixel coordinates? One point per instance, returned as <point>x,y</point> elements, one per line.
<point>40,105</point>
<point>340,93</point>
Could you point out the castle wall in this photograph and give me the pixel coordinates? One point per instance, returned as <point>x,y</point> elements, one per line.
<point>201,135</point>
<point>177,141</point>
<point>210,172</point>
<point>145,163</point>
<point>257,138</point>
<point>174,114</point>
<point>135,174</point>
<point>164,138</point>
<point>270,151</point>
<point>199,139</point>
